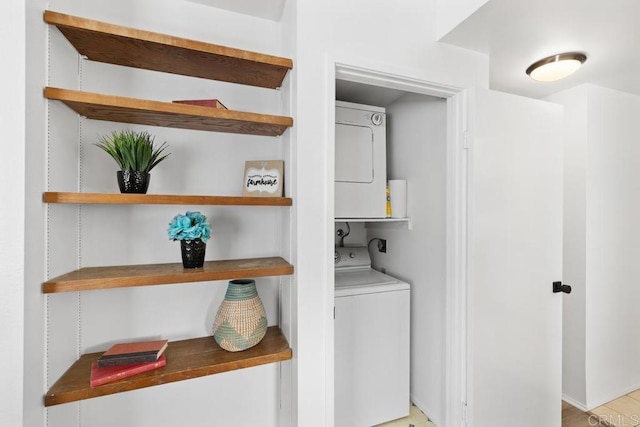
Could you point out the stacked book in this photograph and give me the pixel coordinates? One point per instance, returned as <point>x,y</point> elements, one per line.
<point>128,359</point>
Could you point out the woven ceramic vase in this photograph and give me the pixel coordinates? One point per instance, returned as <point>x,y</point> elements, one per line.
<point>241,321</point>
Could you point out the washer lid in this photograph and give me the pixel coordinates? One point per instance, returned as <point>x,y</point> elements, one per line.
<point>367,276</point>
<point>365,281</point>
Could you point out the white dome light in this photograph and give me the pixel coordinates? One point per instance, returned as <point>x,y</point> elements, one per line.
<point>556,67</point>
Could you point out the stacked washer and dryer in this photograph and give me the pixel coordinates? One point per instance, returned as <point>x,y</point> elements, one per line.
<point>372,309</point>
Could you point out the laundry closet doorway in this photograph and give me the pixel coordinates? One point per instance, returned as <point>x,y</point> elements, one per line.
<point>417,138</point>
<point>477,232</point>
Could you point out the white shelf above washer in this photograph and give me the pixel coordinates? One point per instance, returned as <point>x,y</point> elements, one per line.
<point>381,222</point>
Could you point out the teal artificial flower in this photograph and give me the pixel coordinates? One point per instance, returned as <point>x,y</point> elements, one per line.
<point>190,226</point>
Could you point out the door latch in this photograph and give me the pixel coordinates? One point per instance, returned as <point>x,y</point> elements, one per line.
<point>559,287</point>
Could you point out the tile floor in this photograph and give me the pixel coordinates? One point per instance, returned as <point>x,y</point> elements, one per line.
<point>621,412</point>
<point>416,418</point>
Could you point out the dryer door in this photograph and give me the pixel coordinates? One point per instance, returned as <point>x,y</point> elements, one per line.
<point>354,153</point>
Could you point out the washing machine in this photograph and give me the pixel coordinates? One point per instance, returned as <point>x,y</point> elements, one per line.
<point>372,321</point>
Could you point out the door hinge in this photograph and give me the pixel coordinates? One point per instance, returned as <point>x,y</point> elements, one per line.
<point>465,413</point>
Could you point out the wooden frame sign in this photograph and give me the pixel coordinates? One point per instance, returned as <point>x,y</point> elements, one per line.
<point>263,178</point>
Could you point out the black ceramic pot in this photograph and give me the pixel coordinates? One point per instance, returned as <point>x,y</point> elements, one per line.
<point>193,253</point>
<point>133,181</point>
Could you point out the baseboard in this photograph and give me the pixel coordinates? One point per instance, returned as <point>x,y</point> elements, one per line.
<point>574,403</point>
<point>604,399</point>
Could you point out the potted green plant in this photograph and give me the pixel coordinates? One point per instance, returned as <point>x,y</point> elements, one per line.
<point>136,155</point>
<point>193,231</point>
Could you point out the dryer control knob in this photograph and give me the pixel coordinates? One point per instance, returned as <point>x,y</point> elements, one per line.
<point>352,255</point>
<point>376,119</point>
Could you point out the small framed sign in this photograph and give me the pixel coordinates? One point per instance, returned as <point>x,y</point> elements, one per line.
<point>263,178</point>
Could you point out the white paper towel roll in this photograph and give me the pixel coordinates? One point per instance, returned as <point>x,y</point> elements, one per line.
<point>398,195</point>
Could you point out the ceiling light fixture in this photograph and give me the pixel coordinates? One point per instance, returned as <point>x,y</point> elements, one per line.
<point>556,67</point>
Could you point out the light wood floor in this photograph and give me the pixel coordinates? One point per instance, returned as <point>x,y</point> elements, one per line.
<point>416,418</point>
<point>621,412</point>
<point>571,417</point>
<point>574,417</point>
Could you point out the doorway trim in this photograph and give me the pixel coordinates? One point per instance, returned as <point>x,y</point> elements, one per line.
<point>457,187</point>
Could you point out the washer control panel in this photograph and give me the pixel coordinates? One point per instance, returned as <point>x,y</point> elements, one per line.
<point>351,256</point>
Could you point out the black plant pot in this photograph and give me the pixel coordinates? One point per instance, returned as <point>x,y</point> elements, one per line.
<point>133,181</point>
<point>193,253</point>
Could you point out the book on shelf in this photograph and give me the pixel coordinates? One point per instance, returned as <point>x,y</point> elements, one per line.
<point>213,103</point>
<point>100,376</point>
<point>132,353</point>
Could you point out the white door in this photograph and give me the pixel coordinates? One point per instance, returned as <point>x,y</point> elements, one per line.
<point>515,254</point>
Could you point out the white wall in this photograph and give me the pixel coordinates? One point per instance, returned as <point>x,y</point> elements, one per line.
<point>12,188</point>
<point>613,239</point>
<point>35,234</point>
<point>452,12</point>
<point>417,152</point>
<point>396,38</point>
<point>288,285</point>
<point>603,156</point>
<point>62,157</point>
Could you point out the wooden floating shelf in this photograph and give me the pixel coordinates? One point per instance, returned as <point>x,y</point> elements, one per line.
<point>161,199</point>
<point>168,114</point>
<point>93,278</point>
<point>114,44</point>
<point>186,359</point>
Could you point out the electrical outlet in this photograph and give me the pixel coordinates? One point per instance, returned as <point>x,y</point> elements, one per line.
<point>382,245</point>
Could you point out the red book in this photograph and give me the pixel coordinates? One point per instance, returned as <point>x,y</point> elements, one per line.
<point>100,376</point>
<point>132,353</point>
<point>213,103</point>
